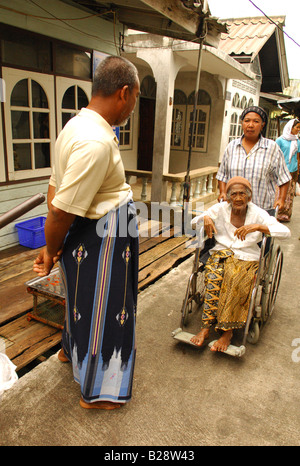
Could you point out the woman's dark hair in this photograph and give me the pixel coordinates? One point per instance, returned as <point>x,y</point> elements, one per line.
<point>112,74</point>
<point>296,122</point>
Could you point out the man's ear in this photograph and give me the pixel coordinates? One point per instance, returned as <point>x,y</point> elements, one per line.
<point>124,93</point>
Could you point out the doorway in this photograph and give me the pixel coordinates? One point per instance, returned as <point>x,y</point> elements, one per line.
<point>146,134</point>
<point>146,125</point>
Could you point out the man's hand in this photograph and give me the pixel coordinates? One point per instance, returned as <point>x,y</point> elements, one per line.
<point>44,262</point>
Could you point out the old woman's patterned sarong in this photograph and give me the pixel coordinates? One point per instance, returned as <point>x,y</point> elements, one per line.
<point>229,283</point>
<point>100,271</point>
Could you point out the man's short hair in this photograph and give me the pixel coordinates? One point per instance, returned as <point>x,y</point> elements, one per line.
<point>112,74</point>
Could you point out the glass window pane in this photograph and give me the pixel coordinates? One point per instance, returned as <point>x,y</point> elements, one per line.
<point>82,98</point>
<point>39,98</point>
<point>66,117</point>
<point>126,139</point>
<point>40,125</point>
<point>20,125</point>
<point>22,156</point>
<point>69,98</point>
<point>19,95</point>
<point>202,116</point>
<point>42,154</point>
<point>200,142</point>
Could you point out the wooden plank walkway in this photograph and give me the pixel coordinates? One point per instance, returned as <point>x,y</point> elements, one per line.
<point>26,341</point>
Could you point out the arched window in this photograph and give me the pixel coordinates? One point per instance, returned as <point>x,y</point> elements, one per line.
<point>244,103</point>
<point>200,133</point>
<point>236,101</point>
<point>29,110</point>
<point>203,98</point>
<point>178,119</point>
<point>148,87</point>
<point>72,102</point>
<point>233,126</point>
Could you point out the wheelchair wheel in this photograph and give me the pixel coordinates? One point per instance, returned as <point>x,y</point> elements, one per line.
<point>272,284</point>
<point>276,276</point>
<point>194,294</point>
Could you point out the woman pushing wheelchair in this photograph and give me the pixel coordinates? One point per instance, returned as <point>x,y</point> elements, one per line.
<point>238,226</point>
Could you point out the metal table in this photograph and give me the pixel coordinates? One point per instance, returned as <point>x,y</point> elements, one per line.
<point>48,299</point>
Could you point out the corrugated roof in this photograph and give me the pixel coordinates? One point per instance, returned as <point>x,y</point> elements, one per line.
<point>247,36</point>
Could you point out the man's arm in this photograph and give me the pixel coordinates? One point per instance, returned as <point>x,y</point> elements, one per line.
<point>56,227</point>
<point>50,195</point>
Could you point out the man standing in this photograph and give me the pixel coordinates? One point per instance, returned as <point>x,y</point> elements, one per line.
<point>89,202</point>
<point>257,159</point>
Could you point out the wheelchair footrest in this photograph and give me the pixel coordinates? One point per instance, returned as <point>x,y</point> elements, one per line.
<point>232,350</point>
<point>185,337</point>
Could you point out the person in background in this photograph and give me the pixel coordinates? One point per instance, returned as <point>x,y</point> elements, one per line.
<point>87,229</point>
<point>257,159</point>
<point>289,143</point>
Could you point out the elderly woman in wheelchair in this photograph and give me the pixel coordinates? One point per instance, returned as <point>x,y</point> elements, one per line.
<point>238,226</point>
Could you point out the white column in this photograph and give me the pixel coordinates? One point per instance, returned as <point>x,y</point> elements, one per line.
<point>165,67</point>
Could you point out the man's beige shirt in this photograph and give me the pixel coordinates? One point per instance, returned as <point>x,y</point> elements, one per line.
<point>88,172</point>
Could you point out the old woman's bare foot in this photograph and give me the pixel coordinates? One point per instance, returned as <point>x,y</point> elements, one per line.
<point>200,337</point>
<point>223,342</point>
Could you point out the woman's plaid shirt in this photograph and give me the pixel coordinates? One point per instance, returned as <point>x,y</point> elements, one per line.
<point>264,167</point>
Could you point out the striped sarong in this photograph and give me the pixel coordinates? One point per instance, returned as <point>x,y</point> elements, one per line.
<point>100,272</point>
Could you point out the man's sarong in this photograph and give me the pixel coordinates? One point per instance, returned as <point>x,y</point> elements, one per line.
<point>229,283</point>
<point>100,271</point>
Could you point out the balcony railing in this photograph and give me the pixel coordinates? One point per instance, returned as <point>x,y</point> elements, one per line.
<point>203,185</point>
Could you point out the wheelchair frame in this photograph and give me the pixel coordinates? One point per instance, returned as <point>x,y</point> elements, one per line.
<point>263,295</point>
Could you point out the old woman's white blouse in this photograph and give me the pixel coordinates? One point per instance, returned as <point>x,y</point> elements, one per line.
<point>248,249</point>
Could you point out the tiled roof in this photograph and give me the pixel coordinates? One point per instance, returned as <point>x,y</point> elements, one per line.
<point>247,36</point>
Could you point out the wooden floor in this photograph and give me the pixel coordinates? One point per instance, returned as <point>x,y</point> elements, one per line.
<point>28,340</point>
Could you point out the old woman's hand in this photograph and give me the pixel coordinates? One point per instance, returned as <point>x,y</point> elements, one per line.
<point>209,226</point>
<point>243,231</point>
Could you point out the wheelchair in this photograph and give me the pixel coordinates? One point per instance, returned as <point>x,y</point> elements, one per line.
<point>263,295</point>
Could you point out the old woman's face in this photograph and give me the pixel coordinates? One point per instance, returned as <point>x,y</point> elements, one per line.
<point>238,197</point>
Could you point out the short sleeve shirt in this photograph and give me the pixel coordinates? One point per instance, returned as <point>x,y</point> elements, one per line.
<point>88,173</point>
<point>264,166</point>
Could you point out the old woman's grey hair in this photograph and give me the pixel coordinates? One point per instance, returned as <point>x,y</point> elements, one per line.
<point>112,74</point>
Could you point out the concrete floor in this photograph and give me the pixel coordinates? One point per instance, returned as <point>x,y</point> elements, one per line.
<point>182,396</point>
